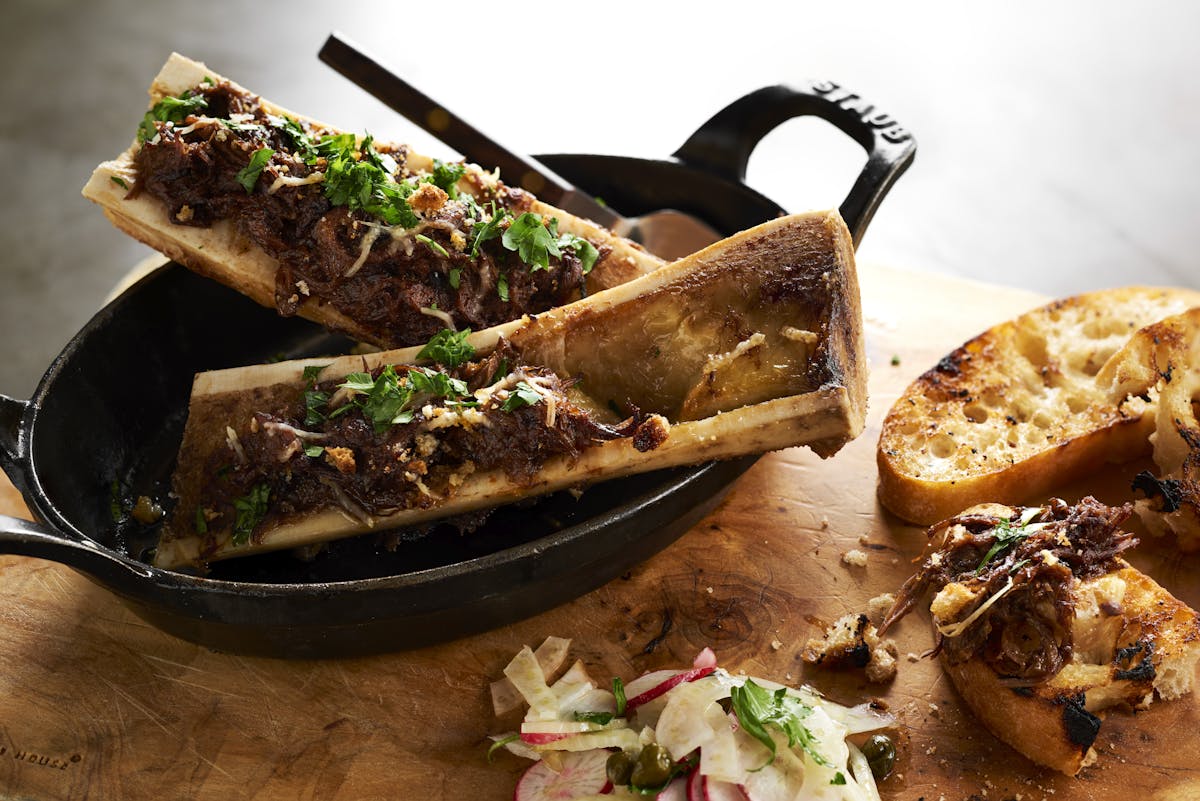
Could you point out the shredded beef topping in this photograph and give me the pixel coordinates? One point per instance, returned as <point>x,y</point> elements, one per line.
<point>387,276</point>
<point>1019,573</point>
<point>345,444</point>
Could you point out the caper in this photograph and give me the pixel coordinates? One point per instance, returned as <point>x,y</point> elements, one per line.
<point>880,752</point>
<point>619,768</point>
<point>653,767</point>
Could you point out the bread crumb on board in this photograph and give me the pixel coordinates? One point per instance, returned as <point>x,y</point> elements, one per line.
<point>855,558</point>
<point>852,641</point>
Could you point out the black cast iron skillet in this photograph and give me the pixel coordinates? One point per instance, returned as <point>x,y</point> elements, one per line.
<point>106,420</point>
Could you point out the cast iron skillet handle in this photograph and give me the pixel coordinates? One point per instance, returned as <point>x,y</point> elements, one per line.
<point>25,538</point>
<point>723,144</point>
<point>12,438</point>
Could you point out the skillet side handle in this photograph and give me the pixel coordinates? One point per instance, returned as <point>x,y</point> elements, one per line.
<point>12,439</point>
<point>26,538</point>
<point>723,144</point>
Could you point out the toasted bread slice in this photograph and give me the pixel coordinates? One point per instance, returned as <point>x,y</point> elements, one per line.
<point>1018,409</point>
<point>1042,626</point>
<point>224,252</point>
<point>1162,361</point>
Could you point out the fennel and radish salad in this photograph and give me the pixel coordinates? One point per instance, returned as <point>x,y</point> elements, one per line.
<point>695,734</point>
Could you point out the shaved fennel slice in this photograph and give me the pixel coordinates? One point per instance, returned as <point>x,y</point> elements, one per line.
<point>526,675</point>
<point>550,655</point>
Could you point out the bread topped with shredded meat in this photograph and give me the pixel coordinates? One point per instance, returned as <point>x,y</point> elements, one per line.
<point>1043,626</point>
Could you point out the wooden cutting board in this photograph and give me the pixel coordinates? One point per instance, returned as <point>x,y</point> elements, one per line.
<point>94,703</point>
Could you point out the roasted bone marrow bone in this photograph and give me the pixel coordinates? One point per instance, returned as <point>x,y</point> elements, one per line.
<point>374,443</point>
<point>373,240</point>
<point>748,346</point>
<point>1043,626</point>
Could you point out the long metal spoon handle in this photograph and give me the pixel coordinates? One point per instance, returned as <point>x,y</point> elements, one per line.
<point>434,118</point>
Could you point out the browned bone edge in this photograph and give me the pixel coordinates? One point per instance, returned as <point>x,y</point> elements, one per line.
<point>810,252</point>
<point>223,254</point>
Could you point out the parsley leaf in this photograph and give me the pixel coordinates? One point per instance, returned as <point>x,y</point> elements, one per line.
<point>201,521</point>
<point>364,184</point>
<point>437,383</point>
<point>386,398</point>
<point>533,241</point>
<point>455,277</point>
<point>618,690</point>
<point>313,451</point>
<point>312,371</point>
<point>314,404</point>
<point>449,348</point>
<point>496,746</point>
<point>248,175</point>
<point>502,287</point>
<point>599,718</point>
<point>432,245</point>
<point>584,250</point>
<point>520,397</point>
<point>118,181</point>
<point>170,109</point>
<point>485,231</point>
<point>756,708</point>
<point>301,143</point>
<point>1009,532</point>
<point>446,176</point>
<point>251,509</point>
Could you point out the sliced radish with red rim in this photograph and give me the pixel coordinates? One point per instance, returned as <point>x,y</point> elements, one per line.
<point>582,773</point>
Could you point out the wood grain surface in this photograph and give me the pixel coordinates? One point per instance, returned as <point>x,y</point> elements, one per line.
<point>94,703</point>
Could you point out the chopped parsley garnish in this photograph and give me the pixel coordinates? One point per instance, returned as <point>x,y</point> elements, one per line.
<point>201,521</point>
<point>584,250</point>
<point>118,181</point>
<point>364,183</point>
<point>298,138</point>
<point>533,241</point>
<point>618,690</point>
<point>314,404</point>
<point>485,230</point>
<point>446,177</point>
<point>313,451</point>
<point>599,718</point>
<point>520,397</point>
<point>312,371</point>
<point>387,400</point>
<point>116,504</point>
<point>248,175</point>
<point>432,245</point>
<point>455,277</point>
<point>170,109</point>
<point>496,746</point>
<point>251,509</point>
<point>756,708</point>
<point>449,348</point>
<point>1009,532</point>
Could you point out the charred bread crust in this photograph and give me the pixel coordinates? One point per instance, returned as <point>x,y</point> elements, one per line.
<point>1056,723</point>
<point>1126,641</point>
<point>1162,361</point>
<point>1019,409</point>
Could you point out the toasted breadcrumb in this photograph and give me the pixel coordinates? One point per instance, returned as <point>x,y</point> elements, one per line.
<point>855,558</point>
<point>852,641</point>
<point>341,458</point>
<point>427,198</point>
